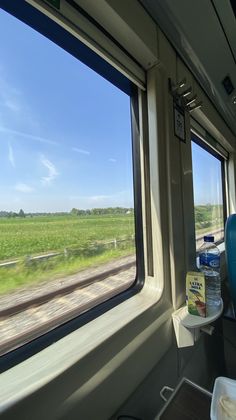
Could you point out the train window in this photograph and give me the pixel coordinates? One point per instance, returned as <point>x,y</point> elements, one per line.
<point>208,190</point>
<point>67,218</point>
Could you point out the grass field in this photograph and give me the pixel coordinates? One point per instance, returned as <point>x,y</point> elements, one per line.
<point>35,235</point>
<point>208,219</point>
<point>212,228</point>
<point>80,240</point>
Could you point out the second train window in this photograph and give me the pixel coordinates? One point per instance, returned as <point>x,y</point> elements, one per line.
<point>208,168</point>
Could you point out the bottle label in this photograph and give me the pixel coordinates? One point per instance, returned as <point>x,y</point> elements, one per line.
<point>210,260</point>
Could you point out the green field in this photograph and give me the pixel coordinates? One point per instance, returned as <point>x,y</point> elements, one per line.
<point>208,217</point>
<point>81,241</point>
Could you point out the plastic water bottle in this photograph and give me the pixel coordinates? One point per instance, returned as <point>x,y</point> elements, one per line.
<point>209,260</point>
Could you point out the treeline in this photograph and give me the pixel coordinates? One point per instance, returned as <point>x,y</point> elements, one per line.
<point>101,211</point>
<point>12,214</point>
<point>73,212</point>
<point>21,213</point>
<point>204,214</point>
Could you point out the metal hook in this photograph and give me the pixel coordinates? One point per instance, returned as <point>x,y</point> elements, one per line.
<point>196,106</point>
<point>174,87</point>
<point>191,100</point>
<point>182,83</point>
<point>186,92</point>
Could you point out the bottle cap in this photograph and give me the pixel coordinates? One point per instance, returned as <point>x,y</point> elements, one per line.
<point>209,238</point>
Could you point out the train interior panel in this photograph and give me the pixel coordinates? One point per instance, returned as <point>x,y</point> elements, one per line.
<point>117,189</point>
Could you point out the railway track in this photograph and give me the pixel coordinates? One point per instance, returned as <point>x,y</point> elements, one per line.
<point>29,313</point>
<point>20,301</point>
<point>218,234</point>
<point>28,319</point>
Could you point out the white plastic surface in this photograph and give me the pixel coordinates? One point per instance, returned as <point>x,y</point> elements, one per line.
<point>223,386</point>
<point>193,321</point>
<point>184,336</point>
<point>187,327</point>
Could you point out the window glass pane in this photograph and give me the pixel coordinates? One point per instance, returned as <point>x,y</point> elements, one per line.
<point>208,194</point>
<point>66,186</point>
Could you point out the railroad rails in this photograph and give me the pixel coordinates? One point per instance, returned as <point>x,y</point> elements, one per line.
<point>28,313</point>
<point>218,234</point>
<point>31,312</point>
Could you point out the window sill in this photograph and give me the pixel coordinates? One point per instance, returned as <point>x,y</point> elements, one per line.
<point>22,380</point>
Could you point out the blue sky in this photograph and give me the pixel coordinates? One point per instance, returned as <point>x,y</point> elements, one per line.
<point>207,180</point>
<point>65,132</point>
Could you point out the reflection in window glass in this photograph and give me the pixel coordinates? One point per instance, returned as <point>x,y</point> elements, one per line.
<point>208,196</point>
<point>67,209</point>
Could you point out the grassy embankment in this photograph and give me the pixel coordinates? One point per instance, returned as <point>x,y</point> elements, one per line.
<point>80,240</point>
<point>208,218</point>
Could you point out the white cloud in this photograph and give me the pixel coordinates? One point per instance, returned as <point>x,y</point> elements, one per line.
<point>91,198</point>
<point>12,105</point>
<point>121,198</point>
<point>23,188</point>
<point>15,108</point>
<point>9,95</point>
<point>26,135</point>
<point>83,152</point>
<point>52,171</point>
<point>99,198</point>
<point>112,160</point>
<point>11,155</point>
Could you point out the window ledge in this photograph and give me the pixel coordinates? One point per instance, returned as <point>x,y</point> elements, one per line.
<point>22,380</point>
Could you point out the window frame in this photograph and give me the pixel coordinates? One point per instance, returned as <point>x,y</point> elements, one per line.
<point>46,27</point>
<point>201,142</point>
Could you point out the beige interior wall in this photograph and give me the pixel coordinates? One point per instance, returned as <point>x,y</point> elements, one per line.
<point>87,376</point>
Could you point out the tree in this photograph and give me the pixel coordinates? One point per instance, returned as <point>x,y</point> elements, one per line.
<point>74,212</point>
<point>21,213</point>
